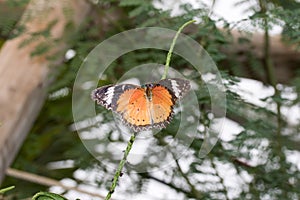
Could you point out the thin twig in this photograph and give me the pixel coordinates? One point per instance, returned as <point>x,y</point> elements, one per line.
<point>169,184</point>
<point>211,8</point>
<point>168,60</point>
<point>42,180</point>
<point>120,167</point>
<point>221,178</point>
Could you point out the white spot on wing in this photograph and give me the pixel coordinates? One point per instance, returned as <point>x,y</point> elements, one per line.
<point>175,88</point>
<point>109,95</point>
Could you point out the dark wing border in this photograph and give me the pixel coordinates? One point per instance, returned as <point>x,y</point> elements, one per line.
<point>178,87</point>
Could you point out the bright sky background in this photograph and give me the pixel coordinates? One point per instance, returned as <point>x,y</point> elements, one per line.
<point>222,8</point>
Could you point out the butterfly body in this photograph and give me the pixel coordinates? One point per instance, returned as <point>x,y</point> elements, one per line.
<point>143,107</point>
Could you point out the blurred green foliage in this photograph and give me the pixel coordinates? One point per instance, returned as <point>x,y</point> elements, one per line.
<point>52,139</point>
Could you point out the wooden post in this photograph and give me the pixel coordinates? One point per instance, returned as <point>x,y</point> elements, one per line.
<point>24,78</point>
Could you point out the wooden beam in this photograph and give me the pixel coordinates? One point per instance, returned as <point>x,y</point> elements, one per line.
<point>24,78</point>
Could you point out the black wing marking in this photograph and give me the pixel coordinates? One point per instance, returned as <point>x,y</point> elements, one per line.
<point>179,87</point>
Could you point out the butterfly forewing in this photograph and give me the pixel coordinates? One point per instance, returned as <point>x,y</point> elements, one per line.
<point>162,105</point>
<point>108,96</point>
<point>134,109</point>
<point>179,87</point>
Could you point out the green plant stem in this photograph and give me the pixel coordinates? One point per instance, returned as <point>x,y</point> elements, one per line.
<point>168,60</point>
<point>47,196</point>
<point>120,167</point>
<point>2,191</point>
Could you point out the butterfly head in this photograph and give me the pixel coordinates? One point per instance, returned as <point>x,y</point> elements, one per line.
<point>148,90</point>
<point>148,85</point>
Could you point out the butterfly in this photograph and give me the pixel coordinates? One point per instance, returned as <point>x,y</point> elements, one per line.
<point>143,107</point>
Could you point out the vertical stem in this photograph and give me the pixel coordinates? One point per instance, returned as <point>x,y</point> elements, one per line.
<point>172,47</point>
<point>270,67</point>
<point>272,79</point>
<point>120,167</point>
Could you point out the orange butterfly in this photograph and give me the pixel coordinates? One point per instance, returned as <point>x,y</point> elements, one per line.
<point>143,107</point>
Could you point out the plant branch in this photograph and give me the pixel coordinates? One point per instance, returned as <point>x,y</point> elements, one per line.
<point>178,189</point>
<point>168,60</point>
<point>120,167</point>
<point>194,191</point>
